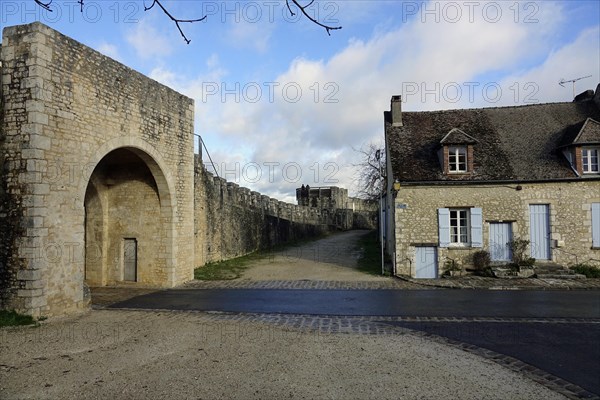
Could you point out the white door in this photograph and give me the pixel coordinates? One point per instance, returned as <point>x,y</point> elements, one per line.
<point>426,262</point>
<point>500,235</point>
<point>539,220</point>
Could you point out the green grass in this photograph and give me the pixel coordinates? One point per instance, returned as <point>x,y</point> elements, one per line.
<point>370,259</point>
<point>12,318</point>
<point>228,269</point>
<point>585,269</point>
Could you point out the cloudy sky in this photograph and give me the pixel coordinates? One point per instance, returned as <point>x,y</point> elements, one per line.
<point>279,103</point>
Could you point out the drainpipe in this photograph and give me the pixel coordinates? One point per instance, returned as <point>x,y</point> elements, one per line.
<point>378,156</point>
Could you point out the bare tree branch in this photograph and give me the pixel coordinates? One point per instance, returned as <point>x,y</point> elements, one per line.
<point>176,20</point>
<point>45,6</point>
<point>328,28</point>
<point>369,177</point>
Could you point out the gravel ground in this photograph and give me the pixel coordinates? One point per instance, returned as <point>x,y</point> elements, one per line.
<point>333,258</point>
<point>168,355</point>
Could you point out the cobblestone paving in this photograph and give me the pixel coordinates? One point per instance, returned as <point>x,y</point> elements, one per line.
<point>467,282</point>
<point>305,284</point>
<point>480,282</point>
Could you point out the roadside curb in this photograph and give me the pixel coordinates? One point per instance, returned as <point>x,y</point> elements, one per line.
<point>513,285</point>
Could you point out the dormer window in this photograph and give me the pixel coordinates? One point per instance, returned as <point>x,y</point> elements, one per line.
<point>456,153</point>
<point>583,152</point>
<point>457,159</point>
<point>589,160</point>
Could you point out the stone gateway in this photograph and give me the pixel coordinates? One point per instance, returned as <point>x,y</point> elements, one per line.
<point>99,183</point>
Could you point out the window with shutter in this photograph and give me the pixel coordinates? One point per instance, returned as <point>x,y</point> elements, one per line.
<point>460,227</point>
<point>476,227</point>
<point>596,225</point>
<point>444,227</point>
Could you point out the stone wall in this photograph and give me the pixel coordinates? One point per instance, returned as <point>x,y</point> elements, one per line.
<point>66,108</point>
<point>343,211</point>
<point>570,217</point>
<point>231,221</point>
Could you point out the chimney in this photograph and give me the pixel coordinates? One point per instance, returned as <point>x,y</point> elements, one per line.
<point>597,96</point>
<point>396,110</point>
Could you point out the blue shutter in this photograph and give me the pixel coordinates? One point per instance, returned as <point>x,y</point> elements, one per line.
<point>476,227</point>
<point>595,224</point>
<point>444,226</point>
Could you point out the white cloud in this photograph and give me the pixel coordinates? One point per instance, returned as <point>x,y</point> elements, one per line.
<point>574,60</point>
<point>343,97</point>
<point>250,35</point>
<point>148,42</point>
<point>109,50</point>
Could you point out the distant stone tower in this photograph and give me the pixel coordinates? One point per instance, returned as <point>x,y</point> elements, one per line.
<point>341,211</point>
<point>331,197</point>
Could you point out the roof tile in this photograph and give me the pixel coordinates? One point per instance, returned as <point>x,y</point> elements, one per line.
<point>513,143</point>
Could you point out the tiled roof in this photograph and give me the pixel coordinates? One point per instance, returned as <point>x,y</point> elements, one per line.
<point>456,136</point>
<point>589,133</point>
<point>513,143</point>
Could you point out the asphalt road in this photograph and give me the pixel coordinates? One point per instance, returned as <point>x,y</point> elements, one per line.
<point>570,351</point>
<point>429,303</point>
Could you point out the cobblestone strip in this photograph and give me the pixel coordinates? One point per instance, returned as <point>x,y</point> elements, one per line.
<point>305,284</point>
<point>407,283</point>
<point>480,282</point>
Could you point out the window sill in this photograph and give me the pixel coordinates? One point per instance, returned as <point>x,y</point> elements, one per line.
<point>460,247</point>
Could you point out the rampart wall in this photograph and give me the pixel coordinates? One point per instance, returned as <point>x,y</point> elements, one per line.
<point>231,220</point>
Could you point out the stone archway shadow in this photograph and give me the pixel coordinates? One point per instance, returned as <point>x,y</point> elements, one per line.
<point>130,232</point>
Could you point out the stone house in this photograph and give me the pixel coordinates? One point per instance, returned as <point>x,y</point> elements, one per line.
<point>460,181</point>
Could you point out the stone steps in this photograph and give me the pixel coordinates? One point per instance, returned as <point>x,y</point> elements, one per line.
<point>542,271</point>
<point>555,271</point>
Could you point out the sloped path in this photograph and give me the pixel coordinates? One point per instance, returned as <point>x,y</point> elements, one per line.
<point>333,258</point>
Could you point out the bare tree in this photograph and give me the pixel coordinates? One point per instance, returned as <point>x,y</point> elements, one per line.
<point>370,171</point>
<point>303,9</point>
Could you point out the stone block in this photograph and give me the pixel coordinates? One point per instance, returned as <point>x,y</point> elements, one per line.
<point>41,188</point>
<point>29,274</point>
<point>36,302</point>
<point>30,292</point>
<point>36,117</point>
<point>36,154</point>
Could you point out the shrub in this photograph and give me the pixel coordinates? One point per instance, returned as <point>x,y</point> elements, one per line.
<point>451,265</point>
<point>481,260</point>
<point>518,248</point>
<point>585,269</point>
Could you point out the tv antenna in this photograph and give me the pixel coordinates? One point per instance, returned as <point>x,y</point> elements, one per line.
<point>562,82</point>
